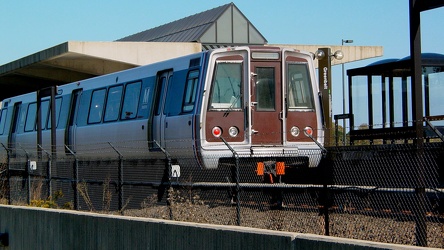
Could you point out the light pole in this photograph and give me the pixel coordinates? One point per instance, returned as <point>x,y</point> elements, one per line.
<point>343,94</point>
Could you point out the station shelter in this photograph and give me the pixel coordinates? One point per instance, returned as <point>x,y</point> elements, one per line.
<point>381,98</point>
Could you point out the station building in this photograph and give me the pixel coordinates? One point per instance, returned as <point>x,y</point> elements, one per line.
<point>73,61</point>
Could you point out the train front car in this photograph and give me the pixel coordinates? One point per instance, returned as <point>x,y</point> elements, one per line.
<point>262,104</point>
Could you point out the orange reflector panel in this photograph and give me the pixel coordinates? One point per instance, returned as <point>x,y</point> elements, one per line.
<point>280,168</point>
<point>260,168</point>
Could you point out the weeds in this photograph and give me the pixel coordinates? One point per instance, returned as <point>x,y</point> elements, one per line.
<point>50,202</point>
<point>106,194</point>
<point>82,188</point>
<point>36,188</point>
<point>3,181</point>
<point>149,201</point>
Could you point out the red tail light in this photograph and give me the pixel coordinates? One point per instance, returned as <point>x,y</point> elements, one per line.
<point>217,132</point>
<point>308,131</point>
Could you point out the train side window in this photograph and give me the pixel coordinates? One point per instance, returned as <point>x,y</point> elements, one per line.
<point>131,101</point>
<point>161,84</point>
<point>146,100</point>
<point>113,103</point>
<point>45,109</point>
<point>226,86</point>
<point>3,120</point>
<point>171,106</point>
<point>190,91</point>
<point>299,94</point>
<point>96,107</point>
<point>174,95</point>
<point>15,117</point>
<point>58,107</point>
<point>30,117</point>
<point>21,119</point>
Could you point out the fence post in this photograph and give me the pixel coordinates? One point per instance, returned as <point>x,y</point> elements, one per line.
<point>168,172</point>
<point>325,196</point>
<point>421,198</point>
<point>236,158</point>
<point>48,169</point>
<point>75,178</point>
<point>8,186</point>
<point>27,175</point>
<point>120,178</point>
<point>325,201</point>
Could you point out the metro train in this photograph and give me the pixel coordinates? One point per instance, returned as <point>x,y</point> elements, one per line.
<point>258,102</point>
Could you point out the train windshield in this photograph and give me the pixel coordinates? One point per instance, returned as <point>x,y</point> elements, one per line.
<point>300,94</point>
<point>226,86</point>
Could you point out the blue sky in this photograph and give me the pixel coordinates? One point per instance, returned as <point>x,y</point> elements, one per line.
<point>32,26</point>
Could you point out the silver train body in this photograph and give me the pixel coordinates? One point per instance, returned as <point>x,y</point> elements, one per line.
<point>259,102</point>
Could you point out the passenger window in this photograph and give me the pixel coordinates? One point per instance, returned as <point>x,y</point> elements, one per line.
<point>96,107</point>
<point>131,101</point>
<point>300,94</point>
<point>58,108</point>
<point>147,100</point>
<point>45,110</point>
<point>31,117</point>
<point>190,91</point>
<point>226,86</point>
<point>3,121</point>
<point>113,103</point>
<point>21,119</point>
<point>159,98</point>
<point>174,94</point>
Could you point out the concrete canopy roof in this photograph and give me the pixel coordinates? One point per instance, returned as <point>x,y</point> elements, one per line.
<point>75,61</point>
<point>351,53</point>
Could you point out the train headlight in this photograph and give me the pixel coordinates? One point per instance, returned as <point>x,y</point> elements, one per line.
<point>308,131</point>
<point>217,131</point>
<point>233,131</point>
<point>294,131</point>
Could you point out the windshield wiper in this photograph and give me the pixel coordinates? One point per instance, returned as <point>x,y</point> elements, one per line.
<point>234,101</point>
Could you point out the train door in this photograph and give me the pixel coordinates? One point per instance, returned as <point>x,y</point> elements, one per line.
<point>179,106</point>
<point>13,130</point>
<point>163,80</point>
<point>300,116</point>
<point>266,98</point>
<point>71,125</point>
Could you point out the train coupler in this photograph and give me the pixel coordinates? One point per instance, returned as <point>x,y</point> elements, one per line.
<point>270,170</point>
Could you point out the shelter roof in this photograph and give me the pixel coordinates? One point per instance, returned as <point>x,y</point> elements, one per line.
<point>398,67</point>
<point>219,27</point>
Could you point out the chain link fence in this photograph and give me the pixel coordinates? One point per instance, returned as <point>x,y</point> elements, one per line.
<point>391,192</point>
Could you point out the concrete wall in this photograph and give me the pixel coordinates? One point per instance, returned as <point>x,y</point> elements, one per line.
<point>351,53</point>
<point>137,53</point>
<point>36,228</point>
